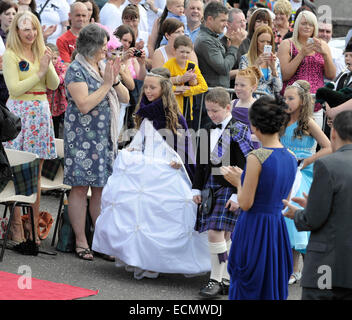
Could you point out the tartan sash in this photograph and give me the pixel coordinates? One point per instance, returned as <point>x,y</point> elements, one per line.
<point>236,131</point>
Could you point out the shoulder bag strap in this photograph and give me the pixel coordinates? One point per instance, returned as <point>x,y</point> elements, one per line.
<point>42,9</point>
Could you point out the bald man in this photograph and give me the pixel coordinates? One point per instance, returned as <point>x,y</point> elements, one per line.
<point>66,43</point>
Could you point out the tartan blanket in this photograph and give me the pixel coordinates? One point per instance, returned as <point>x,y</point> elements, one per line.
<point>51,166</point>
<point>25,178</point>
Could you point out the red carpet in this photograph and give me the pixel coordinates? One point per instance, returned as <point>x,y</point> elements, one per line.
<point>40,289</point>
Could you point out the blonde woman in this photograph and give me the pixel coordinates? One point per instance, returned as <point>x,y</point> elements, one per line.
<point>283,11</point>
<point>28,72</point>
<point>270,82</point>
<point>306,57</point>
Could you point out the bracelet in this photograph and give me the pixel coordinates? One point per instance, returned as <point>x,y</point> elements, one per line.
<point>116,83</point>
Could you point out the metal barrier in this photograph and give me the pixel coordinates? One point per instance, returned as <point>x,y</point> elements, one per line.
<point>230,91</point>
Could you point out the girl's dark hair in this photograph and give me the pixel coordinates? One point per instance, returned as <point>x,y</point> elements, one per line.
<point>122,30</point>
<point>160,34</point>
<point>6,5</point>
<point>169,26</point>
<point>259,14</point>
<point>33,6</point>
<point>269,115</point>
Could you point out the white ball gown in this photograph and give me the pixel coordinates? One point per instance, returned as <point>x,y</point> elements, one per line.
<point>147,214</point>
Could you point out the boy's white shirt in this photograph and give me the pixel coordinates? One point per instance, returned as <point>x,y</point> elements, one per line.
<point>215,134</point>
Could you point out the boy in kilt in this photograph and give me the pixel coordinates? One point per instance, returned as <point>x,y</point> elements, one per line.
<point>224,142</point>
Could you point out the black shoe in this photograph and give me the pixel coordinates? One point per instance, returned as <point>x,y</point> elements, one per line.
<point>225,286</point>
<point>212,290</point>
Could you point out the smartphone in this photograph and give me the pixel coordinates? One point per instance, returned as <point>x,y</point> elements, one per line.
<point>267,49</point>
<point>189,67</point>
<point>310,41</point>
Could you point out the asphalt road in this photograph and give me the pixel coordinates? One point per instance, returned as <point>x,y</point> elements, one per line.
<point>113,283</point>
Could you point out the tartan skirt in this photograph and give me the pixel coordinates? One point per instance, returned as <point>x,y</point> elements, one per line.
<point>220,219</point>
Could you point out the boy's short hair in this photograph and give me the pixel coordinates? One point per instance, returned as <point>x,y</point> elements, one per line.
<point>343,125</point>
<point>220,96</point>
<point>183,40</point>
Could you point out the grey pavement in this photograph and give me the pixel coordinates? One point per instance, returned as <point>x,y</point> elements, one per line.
<point>113,283</point>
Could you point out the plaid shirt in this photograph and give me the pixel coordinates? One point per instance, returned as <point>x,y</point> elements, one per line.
<point>25,178</point>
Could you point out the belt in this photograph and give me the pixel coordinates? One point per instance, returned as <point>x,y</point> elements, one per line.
<point>35,92</point>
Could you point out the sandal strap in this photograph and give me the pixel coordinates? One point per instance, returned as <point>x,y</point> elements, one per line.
<point>84,251</point>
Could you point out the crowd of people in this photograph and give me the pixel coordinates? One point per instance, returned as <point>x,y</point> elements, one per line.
<point>185,177</point>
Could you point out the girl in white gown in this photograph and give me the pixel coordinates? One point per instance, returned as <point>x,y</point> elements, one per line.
<point>147,217</point>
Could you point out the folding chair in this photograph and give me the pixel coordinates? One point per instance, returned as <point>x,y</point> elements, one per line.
<point>57,183</point>
<point>8,196</point>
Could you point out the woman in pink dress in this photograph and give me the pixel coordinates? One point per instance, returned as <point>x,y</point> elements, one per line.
<point>305,57</point>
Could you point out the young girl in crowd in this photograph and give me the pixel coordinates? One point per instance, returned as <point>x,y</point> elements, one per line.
<point>300,136</point>
<point>133,68</point>
<point>227,142</point>
<point>171,28</point>
<point>245,85</point>
<point>173,9</point>
<point>57,98</point>
<point>270,81</point>
<point>186,77</point>
<point>147,217</point>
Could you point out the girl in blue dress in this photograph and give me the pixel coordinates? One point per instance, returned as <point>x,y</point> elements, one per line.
<point>301,135</point>
<point>260,260</point>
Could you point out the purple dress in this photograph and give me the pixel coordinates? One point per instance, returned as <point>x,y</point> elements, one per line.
<point>155,112</point>
<point>241,114</point>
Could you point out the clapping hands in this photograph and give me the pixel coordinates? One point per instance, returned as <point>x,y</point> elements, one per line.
<point>236,36</point>
<point>44,62</point>
<point>232,175</point>
<point>112,69</point>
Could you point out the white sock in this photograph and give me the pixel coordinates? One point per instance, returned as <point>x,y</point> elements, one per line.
<point>225,274</point>
<point>217,268</point>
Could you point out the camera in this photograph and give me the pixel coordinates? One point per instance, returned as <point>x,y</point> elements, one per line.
<point>137,53</point>
<point>310,40</point>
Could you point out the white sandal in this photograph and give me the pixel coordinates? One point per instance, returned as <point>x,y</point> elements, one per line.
<point>296,276</point>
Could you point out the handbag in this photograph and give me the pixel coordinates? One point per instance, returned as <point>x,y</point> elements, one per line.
<point>10,124</point>
<point>44,225</point>
<point>66,236</point>
<point>3,227</point>
<point>207,203</point>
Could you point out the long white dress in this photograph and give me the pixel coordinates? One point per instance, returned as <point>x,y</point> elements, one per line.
<point>147,217</point>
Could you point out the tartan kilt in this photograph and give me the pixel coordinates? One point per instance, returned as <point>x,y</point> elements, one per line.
<point>220,219</point>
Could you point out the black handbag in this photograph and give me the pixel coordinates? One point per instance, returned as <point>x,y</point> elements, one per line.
<point>207,203</point>
<point>10,124</point>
